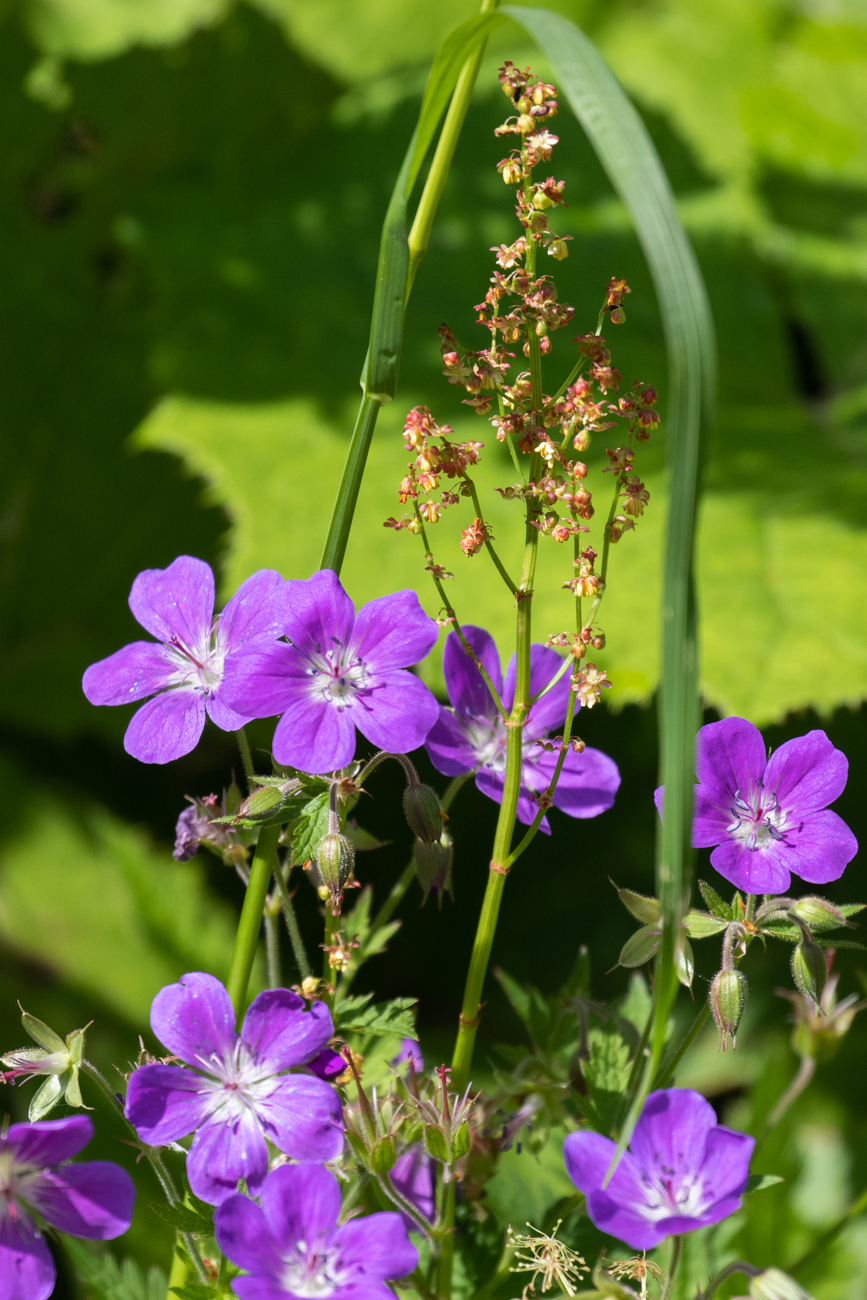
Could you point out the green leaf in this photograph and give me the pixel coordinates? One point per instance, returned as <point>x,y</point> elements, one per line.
<point>193,1291</point>
<point>518,997</point>
<point>700,925</point>
<point>359,1015</point>
<point>106,1279</point>
<point>758,1182</point>
<point>312,826</point>
<point>362,840</point>
<point>715,905</point>
<point>185,1218</point>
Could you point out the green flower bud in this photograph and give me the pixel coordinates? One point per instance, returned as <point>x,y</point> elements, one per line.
<point>423,812</point>
<point>335,859</point>
<point>774,1284</point>
<point>809,969</point>
<point>818,913</point>
<point>435,1143</point>
<point>433,865</point>
<point>383,1157</point>
<point>726,997</point>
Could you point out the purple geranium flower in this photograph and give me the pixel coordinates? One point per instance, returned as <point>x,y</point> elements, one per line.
<point>184,668</point>
<point>91,1200</point>
<point>290,1244</point>
<point>341,670</point>
<point>472,735</point>
<point>682,1171</point>
<point>769,817</point>
<point>237,1092</point>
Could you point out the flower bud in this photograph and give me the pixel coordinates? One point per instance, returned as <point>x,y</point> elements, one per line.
<point>774,1284</point>
<point>818,913</point>
<point>727,993</point>
<point>383,1157</point>
<point>335,858</point>
<point>809,969</point>
<point>433,864</point>
<point>423,812</point>
<point>559,249</point>
<point>598,642</point>
<point>618,316</point>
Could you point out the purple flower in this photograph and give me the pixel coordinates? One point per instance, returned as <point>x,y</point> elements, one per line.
<point>91,1200</point>
<point>768,817</point>
<point>472,735</point>
<point>413,1176</point>
<point>410,1052</point>
<point>341,670</point>
<point>184,668</point>
<point>327,1064</point>
<point>290,1243</point>
<point>237,1094</point>
<point>682,1171</point>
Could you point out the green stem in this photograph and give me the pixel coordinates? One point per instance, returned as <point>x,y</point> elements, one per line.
<point>738,1266</point>
<point>501,568</point>
<point>666,1071</point>
<point>151,1154</point>
<point>676,1251</point>
<point>298,949</point>
<point>404,1205</point>
<point>350,484</point>
<point>178,1274</point>
<point>332,924</point>
<point>549,686</point>
<point>246,755</point>
<point>439,169</point>
<point>549,793</point>
<point>447,1245</point>
<point>250,924</point>
<point>272,949</point>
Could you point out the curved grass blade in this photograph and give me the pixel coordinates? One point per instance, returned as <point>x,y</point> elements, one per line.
<point>626,151</point>
<point>456,64</point>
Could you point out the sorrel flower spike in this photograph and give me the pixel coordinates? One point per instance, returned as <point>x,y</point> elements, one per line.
<point>290,1243</point>
<point>183,669</point>
<point>682,1171</point>
<point>768,817</point>
<point>472,735</point>
<point>340,671</point>
<point>237,1092</point>
<point>92,1200</point>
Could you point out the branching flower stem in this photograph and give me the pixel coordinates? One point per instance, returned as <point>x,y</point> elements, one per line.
<point>545,801</point>
<point>153,1157</point>
<point>456,627</point>
<point>250,925</point>
<point>489,546</point>
<point>676,1252</point>
<point>298,949</point>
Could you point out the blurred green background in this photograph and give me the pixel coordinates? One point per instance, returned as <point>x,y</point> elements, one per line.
<point>189,218</point>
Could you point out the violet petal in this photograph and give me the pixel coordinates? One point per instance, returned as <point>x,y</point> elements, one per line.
<point>224,1151</point>
<point>26,1268</point>
<point>730,756</point>
<point>672,1131</point>
<point>221,715</point>
<point>548,713</point>
<point>398,712</point>
<point>195,1019</point>
<point>132,673</point>
<point>393,632</point>
<point>49,1141</point>
<point>165,1103</point>
<point>177,602</point>
<point>254,611</point>
<point>303,1117</point>
<point>93,1200</point>
<point>167,727</point>
<point>244,1237</point>
<point>314,736</point>
<point>316,613</point>
<point>279,1033</point>
<point>807,773</point>
<point>261,682</point>
<point>377,1246</point>
<point>763,871</point>
<point>587,785</point>
<point>727,1156</point>
<point>414,1177</point>
<point>467,689</point>
<point>822,848</point>
<point>619,1221</point>
<point>710,821</point>
<point>449,747</point>
<point>300,1203</point>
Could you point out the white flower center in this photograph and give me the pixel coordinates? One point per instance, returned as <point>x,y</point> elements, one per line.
<point>313,1272</point>
<point>236,1084</point>
<point>15,1180</point>
<point>200,666</point>
<point>758,821</point>
<point>669,1193</point>
<point>337,676</point>
<point>488,739</point>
